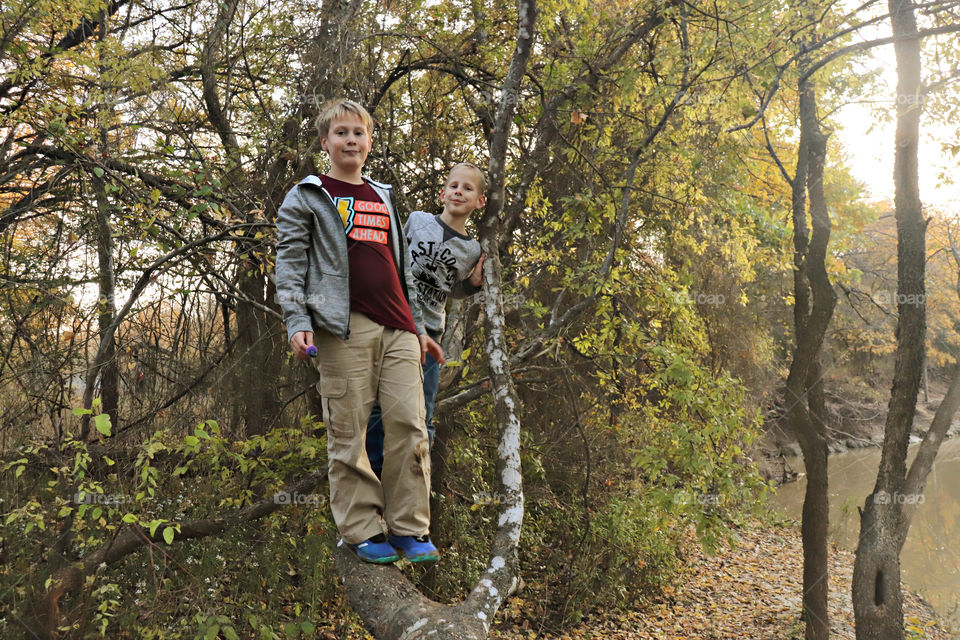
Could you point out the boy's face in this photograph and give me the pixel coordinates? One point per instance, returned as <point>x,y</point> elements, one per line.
<point>461,195</point>
<point>348,143</point>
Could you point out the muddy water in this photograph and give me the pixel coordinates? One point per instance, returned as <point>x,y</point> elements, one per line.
<point>931,555</point>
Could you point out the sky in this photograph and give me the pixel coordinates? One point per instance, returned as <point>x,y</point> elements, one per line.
<point>868,140</point>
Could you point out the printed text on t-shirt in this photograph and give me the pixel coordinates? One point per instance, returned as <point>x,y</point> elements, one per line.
<point>363,220</point>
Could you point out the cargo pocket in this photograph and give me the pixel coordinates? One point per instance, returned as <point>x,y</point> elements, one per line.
<point>333,390</point>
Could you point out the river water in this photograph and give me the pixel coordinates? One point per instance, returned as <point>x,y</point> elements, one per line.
<point>931,555</point>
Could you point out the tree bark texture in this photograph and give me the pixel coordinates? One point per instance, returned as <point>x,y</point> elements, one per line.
<point>107,307</point>
<point>877,599</point>
<point>813,308</point>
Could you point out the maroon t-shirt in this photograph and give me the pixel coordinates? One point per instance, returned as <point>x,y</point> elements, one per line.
<point>375,289</point>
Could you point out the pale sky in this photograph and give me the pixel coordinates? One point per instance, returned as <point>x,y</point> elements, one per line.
<point>868,140</point>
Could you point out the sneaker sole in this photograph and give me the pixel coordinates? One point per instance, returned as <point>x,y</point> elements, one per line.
<point>387,560</point>
<point>373,559</point>
<point>427,557</point>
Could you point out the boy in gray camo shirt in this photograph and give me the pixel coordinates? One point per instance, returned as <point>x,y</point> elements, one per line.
<point>444,261</point>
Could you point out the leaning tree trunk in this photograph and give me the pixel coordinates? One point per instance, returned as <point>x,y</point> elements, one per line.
<point>389,606</point>
<point>877,599</point>
<point>814,301</point>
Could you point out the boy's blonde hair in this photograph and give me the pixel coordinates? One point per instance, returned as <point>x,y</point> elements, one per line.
<point>480,175</point>
<point>339,108</point>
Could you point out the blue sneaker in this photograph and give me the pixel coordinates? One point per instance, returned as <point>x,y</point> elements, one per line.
<point>415,549</point>
<point>375,549</point>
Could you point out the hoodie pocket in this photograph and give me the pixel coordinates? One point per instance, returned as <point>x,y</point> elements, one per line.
<point>330,302</point>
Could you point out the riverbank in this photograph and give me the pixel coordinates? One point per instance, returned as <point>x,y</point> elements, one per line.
<point>857,415</point>
<point>750,592</point>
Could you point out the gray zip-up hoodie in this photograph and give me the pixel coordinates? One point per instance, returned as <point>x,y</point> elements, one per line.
<point>312,270</point>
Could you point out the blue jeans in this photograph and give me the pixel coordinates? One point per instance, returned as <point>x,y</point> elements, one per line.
<point>374,444</point>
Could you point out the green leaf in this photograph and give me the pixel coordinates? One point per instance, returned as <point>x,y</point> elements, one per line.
<point>102,423</point>
<point>191,441</point>
<point>129,518</point>
<point>79,411</point>
<point>97,171</point>
<point>230,634</point>
<point>168,535</point>
<point>308,627</point>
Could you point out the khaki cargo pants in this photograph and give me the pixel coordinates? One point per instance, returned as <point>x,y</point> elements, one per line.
<point>376,363</point>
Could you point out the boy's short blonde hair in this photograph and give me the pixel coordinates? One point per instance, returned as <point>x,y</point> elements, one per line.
<point>339,108</point>
<point>480,175</point>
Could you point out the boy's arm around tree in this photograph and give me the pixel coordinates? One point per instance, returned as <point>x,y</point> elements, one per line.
<point>471,284</point>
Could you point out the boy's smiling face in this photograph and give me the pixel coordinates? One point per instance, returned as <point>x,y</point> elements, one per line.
<point>461,195</point>
<point>348,143</point>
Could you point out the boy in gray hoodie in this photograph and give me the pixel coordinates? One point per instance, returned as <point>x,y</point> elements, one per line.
<point>349,299</point>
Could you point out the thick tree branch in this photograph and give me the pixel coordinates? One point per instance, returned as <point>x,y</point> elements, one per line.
<point>208,66</point>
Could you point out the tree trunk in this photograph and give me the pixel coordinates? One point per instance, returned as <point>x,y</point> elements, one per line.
<point>814,301</point>
<point>104,369</point>
<point>107,307</point>
<point>877,599</point>
<point>257,350</point>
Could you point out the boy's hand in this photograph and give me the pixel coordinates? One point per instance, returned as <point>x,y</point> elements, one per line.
<point>476,278</point>
<point>429,345</point>
<point>299,343</point>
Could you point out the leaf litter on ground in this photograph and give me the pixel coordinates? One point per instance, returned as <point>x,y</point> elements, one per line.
<point>750,592</point>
